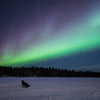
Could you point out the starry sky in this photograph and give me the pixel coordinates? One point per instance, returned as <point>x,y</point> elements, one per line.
<point>55,33</point>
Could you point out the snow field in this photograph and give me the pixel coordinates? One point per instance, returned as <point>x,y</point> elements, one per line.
<point>50,89</point>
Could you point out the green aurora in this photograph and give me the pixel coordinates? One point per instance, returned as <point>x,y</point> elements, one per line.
<point>81,37</point>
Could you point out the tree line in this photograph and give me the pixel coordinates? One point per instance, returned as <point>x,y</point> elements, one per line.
<point>44,72</point>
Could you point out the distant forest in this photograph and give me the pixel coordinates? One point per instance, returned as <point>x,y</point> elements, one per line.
<point>44,72</point>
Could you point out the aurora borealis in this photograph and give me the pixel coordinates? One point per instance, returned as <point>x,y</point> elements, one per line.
<point>50,33</point>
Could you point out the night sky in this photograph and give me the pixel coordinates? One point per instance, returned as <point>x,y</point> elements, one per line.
<point>55,33</point>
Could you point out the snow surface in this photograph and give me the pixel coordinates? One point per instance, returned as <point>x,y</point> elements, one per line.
<point>50,89</point>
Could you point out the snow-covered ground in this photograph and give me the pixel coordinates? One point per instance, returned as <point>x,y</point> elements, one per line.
<point>50,89</point>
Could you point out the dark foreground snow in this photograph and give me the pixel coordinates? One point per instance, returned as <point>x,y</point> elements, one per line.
<point>50,89</point>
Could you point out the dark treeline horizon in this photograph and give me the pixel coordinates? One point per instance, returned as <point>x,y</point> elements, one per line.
<point>6,71</point>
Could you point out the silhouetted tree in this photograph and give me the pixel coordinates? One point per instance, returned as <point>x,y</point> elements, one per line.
<point>44,72</point>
